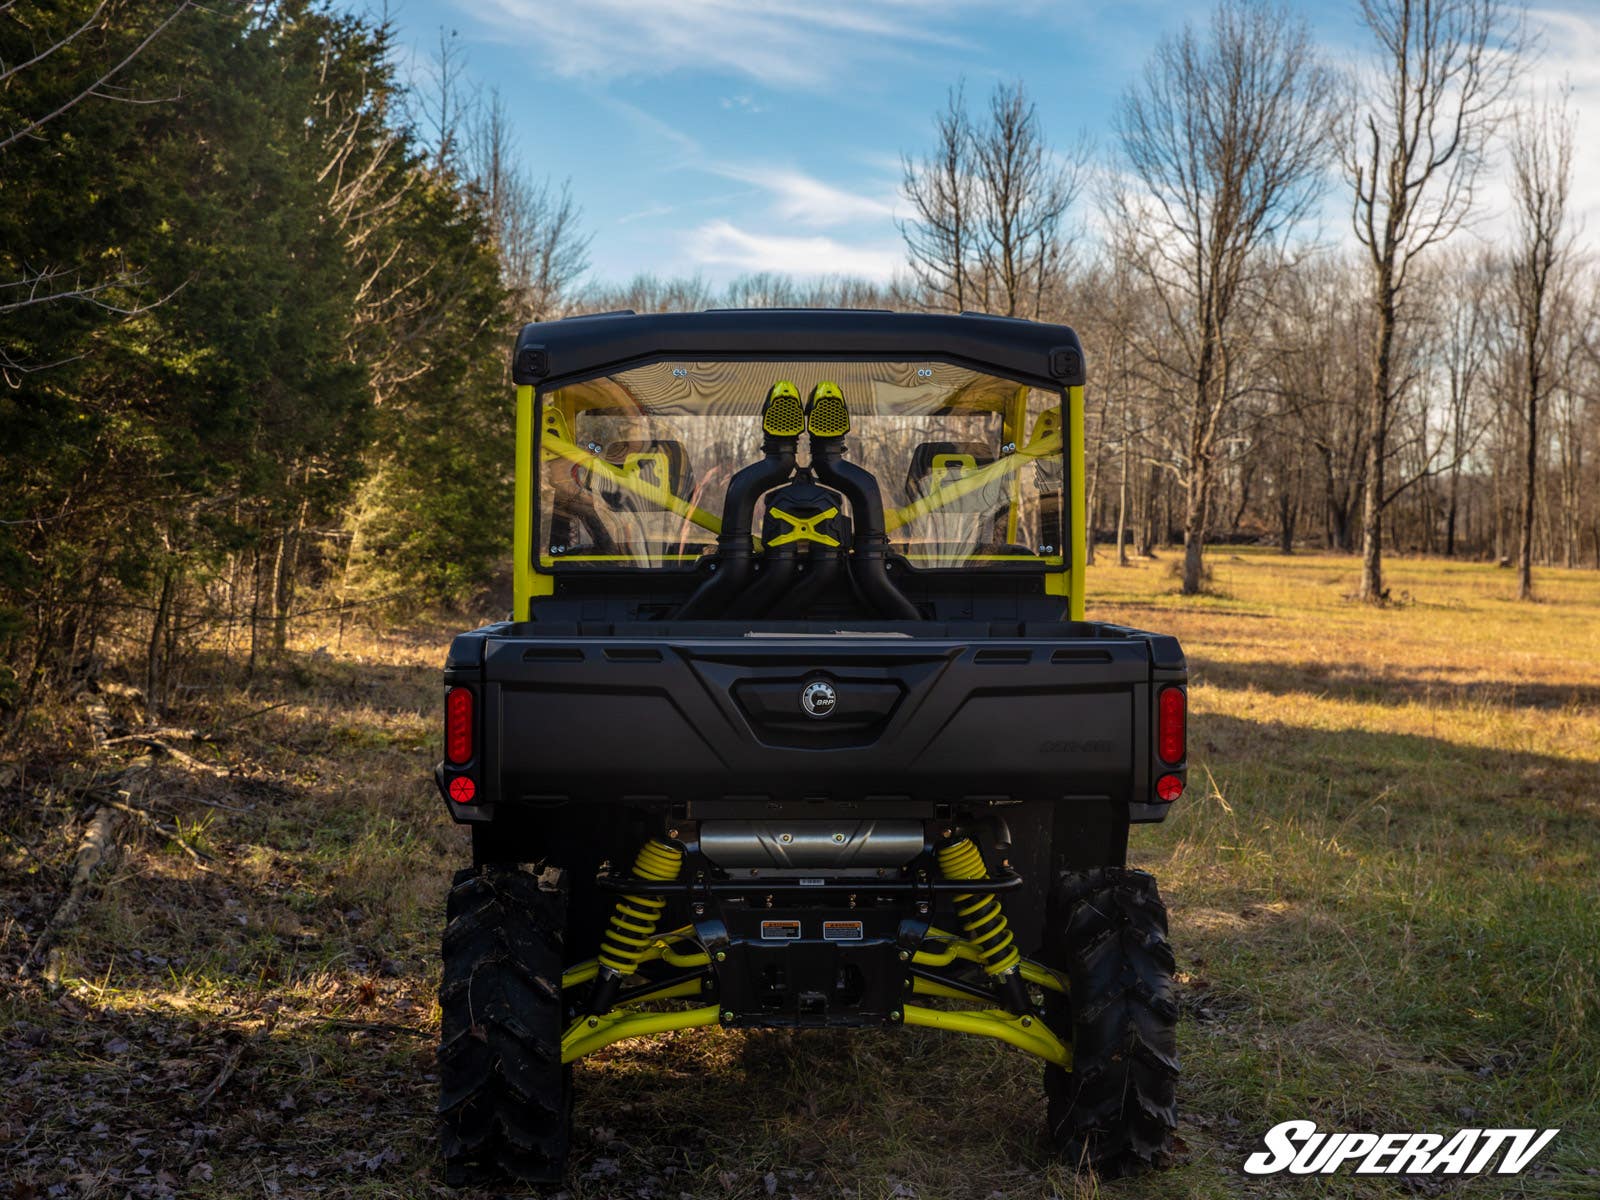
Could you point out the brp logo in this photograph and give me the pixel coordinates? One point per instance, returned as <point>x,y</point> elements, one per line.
<point>819,699</point>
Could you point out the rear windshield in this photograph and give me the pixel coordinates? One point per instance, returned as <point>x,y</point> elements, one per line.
<point>634,466</point>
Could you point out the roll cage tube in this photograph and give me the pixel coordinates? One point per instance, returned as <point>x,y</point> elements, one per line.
<point>645,489</point>
<point>1046,442</point>
<point>530,582</point>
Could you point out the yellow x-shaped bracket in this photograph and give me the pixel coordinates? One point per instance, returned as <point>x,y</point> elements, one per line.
<point>804,529</point>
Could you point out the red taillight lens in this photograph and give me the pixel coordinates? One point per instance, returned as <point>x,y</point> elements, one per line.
<point>1169,788</point>
<point>462,789</point>
<point>458,725</point>
<point>1172,725</point>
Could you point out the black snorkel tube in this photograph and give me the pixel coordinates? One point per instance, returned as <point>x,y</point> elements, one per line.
<point>782,419</point>
<point>828,419</point>
<point>779,567</point>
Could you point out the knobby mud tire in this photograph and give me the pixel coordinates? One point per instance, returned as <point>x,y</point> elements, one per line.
<point>1116,1110</point>
<point>504,1097</point>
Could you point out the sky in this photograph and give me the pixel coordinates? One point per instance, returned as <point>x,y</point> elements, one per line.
<point>721,137</point>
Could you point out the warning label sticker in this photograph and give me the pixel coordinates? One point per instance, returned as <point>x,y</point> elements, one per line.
<point>779,931</point>
<point>841,931</point>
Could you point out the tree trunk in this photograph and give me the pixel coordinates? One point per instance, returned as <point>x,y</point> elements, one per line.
<point>1425,511</point>
<point>282,587</point>
<point>1530,487</point>
<point>255,608</point>
<point>1194,527</point>
<point>152,662</point>
<point>1147,522</point>
<point>1122,508</point>
<point>1092,506</point>
<point>1372,589</point>
<point>1244,502</point>
<point>1450,509</point>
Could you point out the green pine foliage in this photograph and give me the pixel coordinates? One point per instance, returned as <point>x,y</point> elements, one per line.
<point>251,339</point>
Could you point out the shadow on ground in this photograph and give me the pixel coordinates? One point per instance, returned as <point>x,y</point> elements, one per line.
<point>1364,920</point>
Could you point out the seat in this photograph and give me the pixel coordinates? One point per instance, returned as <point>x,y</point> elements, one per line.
<point>662,462</point>
<point>935,464</point>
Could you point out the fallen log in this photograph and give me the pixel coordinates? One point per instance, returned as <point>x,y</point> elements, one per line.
<point>166,733</point>
<point>99,844</point>
<point>172,752</point>
<point>112,799</point>
<point>150,821</point>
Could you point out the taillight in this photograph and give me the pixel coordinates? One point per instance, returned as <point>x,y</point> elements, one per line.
<point>458,725</point>
<point>1169,788</point>
<point>1171,725</point>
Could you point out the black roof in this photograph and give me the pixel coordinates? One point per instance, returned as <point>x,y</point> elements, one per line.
<point>575,346</point>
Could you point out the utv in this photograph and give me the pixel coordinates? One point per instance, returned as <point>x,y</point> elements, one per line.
<point>798,723</point>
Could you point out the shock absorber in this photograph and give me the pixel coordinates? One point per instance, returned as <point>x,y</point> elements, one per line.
<point>985,921</point>
<point>633,923</point>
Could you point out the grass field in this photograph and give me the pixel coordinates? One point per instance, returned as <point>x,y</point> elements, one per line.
<point>1383,885</point>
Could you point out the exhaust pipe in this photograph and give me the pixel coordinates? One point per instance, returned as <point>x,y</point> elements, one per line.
<point>828,419</point>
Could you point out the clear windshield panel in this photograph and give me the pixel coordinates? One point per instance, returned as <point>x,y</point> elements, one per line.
<point>634,466</point>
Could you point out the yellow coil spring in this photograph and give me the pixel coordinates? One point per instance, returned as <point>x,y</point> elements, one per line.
<point>634,920</point>
<point>981,916</point>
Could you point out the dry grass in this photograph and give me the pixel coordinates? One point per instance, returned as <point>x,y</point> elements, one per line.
<point>1382,886</point>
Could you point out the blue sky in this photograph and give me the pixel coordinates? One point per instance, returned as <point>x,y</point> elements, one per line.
<point>725,136</point>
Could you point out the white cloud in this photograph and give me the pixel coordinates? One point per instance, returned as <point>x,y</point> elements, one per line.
<point>1567,55</point>
<point>722,244</point>
<point>807,200</point>
<point>781,43</point>
<point>652,127</point>
<point>643,214</point>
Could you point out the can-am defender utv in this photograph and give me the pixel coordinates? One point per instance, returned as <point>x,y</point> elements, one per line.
<point>798,723</point>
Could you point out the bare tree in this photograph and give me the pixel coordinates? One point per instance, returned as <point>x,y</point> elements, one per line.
<point>1227,138</point>
<point>988,205</point>
<point>648,293</point>
<point>1024,192</point>
<point>542,249</point>
<point>774,289</point>
<point>1541,177</point>
<point>939,239</point>
<point>438,101</point>
<point>535,224</point>
<point>1412,154</point>
<point>1466,296</point>
<point>1320,318</point>
<point>1575,410</point>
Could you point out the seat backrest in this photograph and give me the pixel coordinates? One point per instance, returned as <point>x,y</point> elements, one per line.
<point>663,462</point>
<point>934,464</point>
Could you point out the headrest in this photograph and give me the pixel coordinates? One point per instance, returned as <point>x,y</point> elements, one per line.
<point>663,462</point>
<point>934,464</point>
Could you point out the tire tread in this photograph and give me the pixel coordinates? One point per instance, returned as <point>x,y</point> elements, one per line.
<point>504,1103</point>
<point>1116,1109</point>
